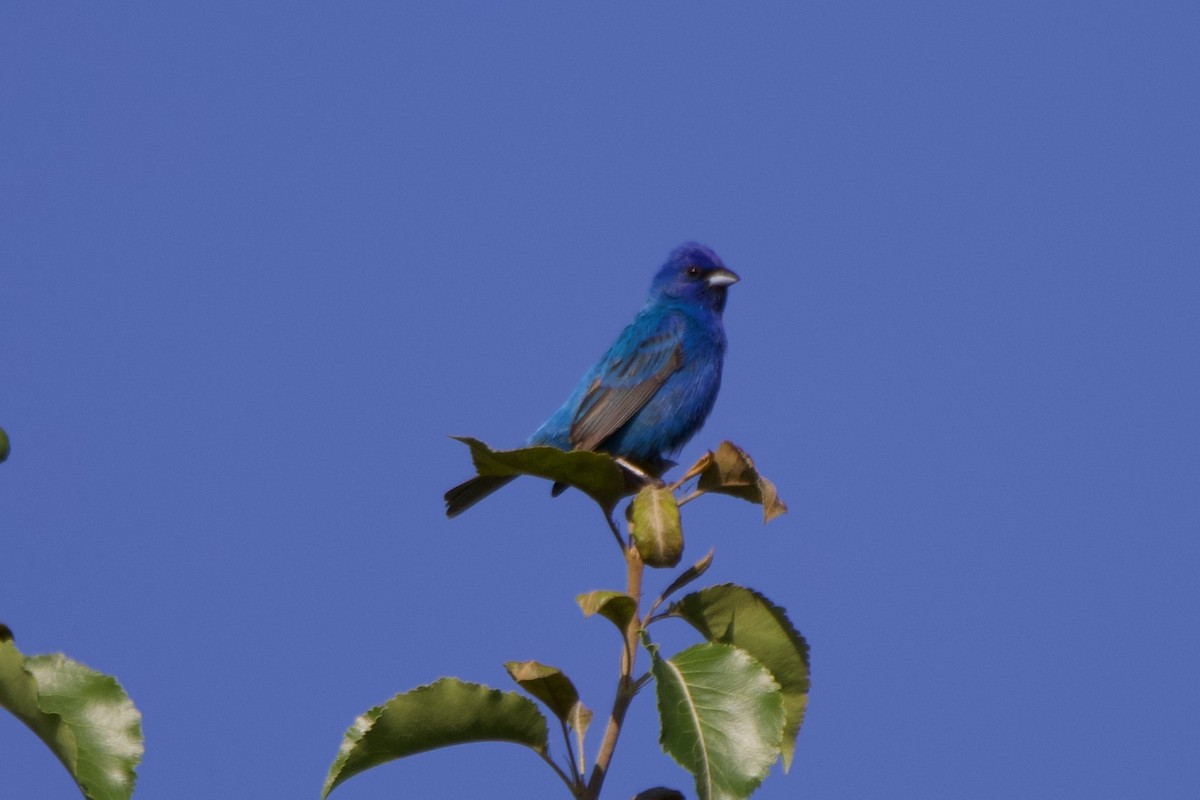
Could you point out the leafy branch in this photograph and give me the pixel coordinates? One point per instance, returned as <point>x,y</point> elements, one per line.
<point>729,707</point>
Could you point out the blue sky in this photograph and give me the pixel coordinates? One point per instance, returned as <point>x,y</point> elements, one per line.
<point>258,261</point>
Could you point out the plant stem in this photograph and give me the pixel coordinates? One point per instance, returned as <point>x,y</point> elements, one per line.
<point>581,759</point>
<point>693,471</point>
<point>574,766</point>
<point>572,782</point>
<point>612,526</point>
<point>626,689</point>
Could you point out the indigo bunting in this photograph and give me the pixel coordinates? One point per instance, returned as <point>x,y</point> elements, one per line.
<point>653,389</point>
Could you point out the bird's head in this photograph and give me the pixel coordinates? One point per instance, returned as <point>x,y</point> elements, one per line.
<point>694,273</point>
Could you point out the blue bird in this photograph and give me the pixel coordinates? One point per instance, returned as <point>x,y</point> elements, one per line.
<point>653,389</point>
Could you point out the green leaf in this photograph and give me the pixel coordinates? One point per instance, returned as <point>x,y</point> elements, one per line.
<point>653,518</point>
<point>721,715</point>
<point>552,687</point>
<point>444,713</point>
<point>684,578</point>
<point>617,607</point>
<point>744,618</point>
<point>83,716</point>
<point>598,475</point>
<point>4,446</point>
<point>730,471</point>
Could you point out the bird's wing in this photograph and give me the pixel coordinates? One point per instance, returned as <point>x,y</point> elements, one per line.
<point>627,380</point>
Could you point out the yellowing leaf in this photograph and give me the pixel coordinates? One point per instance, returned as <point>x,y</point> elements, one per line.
<point>654,526</point>
<point>730,471</point>
<point>617,607</point>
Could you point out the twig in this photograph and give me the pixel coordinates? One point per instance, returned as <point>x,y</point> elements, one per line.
<point>612,526</point>
<point>626,690</point>
<point>693,471</point>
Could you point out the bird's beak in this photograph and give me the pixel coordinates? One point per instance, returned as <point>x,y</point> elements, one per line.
<point>721,277</point>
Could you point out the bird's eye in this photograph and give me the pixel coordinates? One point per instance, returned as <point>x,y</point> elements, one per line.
<point>693,272</point>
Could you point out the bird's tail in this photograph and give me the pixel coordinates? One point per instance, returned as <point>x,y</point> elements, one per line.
<point>468,493</point>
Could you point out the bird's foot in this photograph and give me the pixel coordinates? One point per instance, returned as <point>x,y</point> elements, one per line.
<point>639,472</point>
